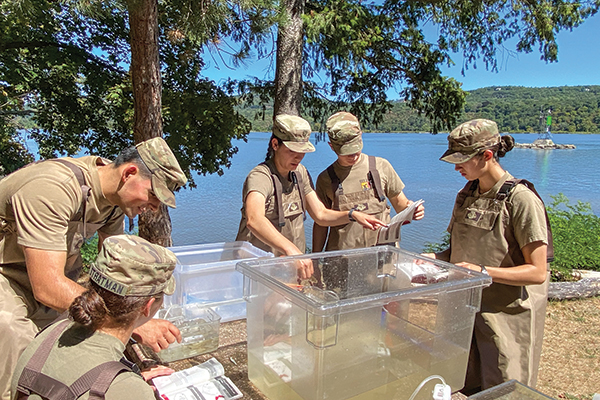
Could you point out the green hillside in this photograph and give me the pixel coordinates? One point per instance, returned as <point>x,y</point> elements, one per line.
<point>575,109</point>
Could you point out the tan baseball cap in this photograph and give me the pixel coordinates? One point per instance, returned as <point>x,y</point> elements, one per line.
<point>128,265</point>
<point>344,133</point>
<point>469,138</point>
<point>294,132</point>
<point>167,175</point>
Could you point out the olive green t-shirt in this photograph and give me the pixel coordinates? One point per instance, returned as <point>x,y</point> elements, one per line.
<point>75,353</point>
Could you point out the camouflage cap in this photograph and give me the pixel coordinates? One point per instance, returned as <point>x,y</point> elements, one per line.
<point>469,138</point>
<point>344,133</point>
<point>294,132</point>
<point>131,266</point>
<point>167,175</point>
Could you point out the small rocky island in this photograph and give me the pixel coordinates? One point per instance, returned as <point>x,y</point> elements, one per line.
<point>543,144</point>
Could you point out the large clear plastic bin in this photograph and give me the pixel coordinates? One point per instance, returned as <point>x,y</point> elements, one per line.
<point>366,324</point>
<point>205,274</point>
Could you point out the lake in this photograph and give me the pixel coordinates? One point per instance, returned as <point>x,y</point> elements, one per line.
<point>211,212</point>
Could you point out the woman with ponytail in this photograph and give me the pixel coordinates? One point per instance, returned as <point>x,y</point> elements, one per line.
<point>126,287</point>
<point>499,228</point>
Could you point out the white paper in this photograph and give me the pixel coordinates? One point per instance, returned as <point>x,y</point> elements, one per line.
<point>391,233</point>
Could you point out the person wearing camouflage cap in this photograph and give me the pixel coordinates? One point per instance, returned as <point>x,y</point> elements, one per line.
<point>499,227</point>
<point>355,181</point>
<point>47,209</point>
<point>278,192</point>
<point>126,287</point>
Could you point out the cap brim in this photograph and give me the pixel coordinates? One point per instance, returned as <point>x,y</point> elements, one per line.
<point>300,147</point>
<point>455,157</point>
<point>170,287</point>
<point>162,192</point>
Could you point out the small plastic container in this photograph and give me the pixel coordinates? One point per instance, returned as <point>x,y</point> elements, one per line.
<point>367,324</point>
<point>205,274</point>
<point>199,327</point>
<point>511,390</point>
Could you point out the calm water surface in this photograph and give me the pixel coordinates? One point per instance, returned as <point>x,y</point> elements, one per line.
<point>211,212</point>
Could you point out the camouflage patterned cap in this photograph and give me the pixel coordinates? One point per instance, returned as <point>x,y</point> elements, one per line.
<point>344,133</point>
<point>167,175</point>
<point>294,132</point>
<point>469,138</point>
<point>131,266</point>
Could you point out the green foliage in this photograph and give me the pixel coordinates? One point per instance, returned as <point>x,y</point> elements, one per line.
<point>434,247</point>
<point>66,64</point>
<point>89,252</point>
<point>576,232</point>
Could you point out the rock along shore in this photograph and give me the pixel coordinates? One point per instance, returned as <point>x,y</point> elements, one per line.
<point>543,144</point>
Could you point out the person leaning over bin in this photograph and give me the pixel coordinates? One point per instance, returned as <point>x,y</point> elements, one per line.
<point>499,227</point>
<point>46,210</point>
<point>126,288</point>
<point>278,192</point>
<point>356,181</point>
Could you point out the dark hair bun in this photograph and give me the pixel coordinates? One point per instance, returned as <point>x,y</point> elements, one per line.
<point>88,309</point>
<point>507,143</point>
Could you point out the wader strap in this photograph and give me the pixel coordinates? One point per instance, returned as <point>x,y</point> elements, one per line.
<point>96,381</point>
<point>469,189</point>
<point>297,180</point>
<point>505,190</point>
<point>278,188</point>
<point>85,190</point>
<point>375,179</point>
<point>336,187</point>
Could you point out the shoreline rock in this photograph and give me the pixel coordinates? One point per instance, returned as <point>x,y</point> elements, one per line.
<point>543,144</point>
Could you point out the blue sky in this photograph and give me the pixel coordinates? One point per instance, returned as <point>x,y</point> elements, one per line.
<point>578,64</point>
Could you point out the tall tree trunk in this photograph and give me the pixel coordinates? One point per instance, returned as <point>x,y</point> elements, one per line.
<point>147,92</point>
<point>288,69</point>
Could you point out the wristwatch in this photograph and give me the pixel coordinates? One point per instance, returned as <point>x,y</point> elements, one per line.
<point>484,270</point>
<point>350,217</point>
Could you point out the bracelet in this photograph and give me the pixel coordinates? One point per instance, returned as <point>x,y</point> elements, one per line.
<point>484,270</point>
<point>350,217</point>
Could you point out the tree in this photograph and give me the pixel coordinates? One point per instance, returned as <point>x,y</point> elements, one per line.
<point>359,51</point>
<point>64,64</point>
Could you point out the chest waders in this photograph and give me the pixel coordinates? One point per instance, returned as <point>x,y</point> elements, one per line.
<point>502,195</point>
<point>96,381</point>
<point>509,328</point>
<point>278,188</point>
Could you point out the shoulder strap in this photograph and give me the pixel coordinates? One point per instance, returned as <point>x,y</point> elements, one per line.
<point>375,179</point>
<point>96,381</point>
<point>468,189</point>
<point>32,378</point>
<point>336,187</point>
<point>85,190</point>
<point>297,180</point>
<point>278,188</point>
<point>505,191</point>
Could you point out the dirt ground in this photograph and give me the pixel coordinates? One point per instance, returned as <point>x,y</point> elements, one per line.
<point>570,365</point>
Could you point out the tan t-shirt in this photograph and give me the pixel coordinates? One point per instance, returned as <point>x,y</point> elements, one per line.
<point>260,180</point>
<point>75,353</point>
<point>37,204</point>
<point>357,193</point>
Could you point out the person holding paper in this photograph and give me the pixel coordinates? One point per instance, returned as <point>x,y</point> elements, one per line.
<point>356,181</point>
<point>499,228</point>
<point>125,290</point>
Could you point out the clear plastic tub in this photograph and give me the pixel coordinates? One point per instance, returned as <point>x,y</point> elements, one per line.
<point>205,274</point>
<point>367,324</point>
<point>199,327</point>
